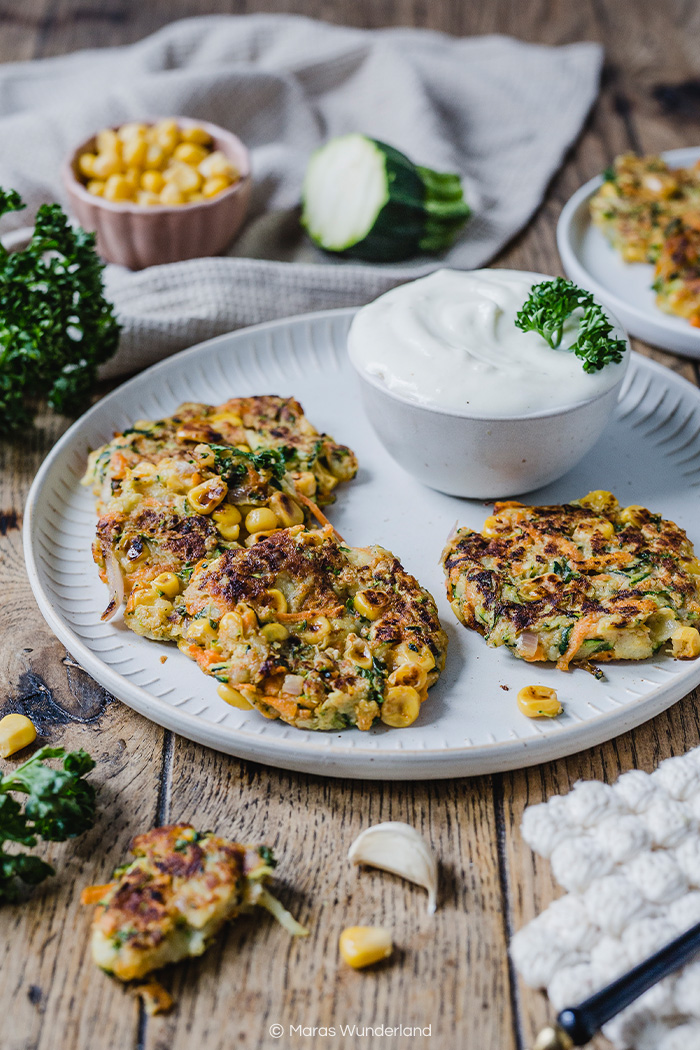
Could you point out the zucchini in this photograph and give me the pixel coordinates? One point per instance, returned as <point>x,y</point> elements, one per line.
<point>367,200</point>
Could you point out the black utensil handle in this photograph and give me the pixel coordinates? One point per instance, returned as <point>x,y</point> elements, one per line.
<point>583,1021</point>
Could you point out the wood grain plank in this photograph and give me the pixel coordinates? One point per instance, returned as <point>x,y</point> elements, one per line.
<point>22,28</point>
<point>449,969</point>
<point>54,996</point>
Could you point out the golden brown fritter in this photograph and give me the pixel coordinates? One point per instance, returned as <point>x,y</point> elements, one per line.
<point>173,491</point>
<point>315,461</point>
<point>586,580</point>
<point>639,197</point>
<point>171,901</point>
<point>306,629</point>
<point>677,271</point>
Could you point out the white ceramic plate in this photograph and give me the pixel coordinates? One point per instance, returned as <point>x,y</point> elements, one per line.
<point>594,264</point>
<point>470,722</point>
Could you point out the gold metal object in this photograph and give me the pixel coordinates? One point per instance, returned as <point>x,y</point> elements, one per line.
<point>553,1038</point>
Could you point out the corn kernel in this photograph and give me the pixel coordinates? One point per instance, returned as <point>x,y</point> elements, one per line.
<point>170,194</point>
<point>601,501</point>
<point>167,134</point>
<point>168,584</point>
<point>96,187</point>
<point>539,701</point>
<point>256,537</point>
<point>631,515</point>
<point>107,141</point>
<point>404,654</point>
<point>155,156</point>
<point>287,509</point>
<point>232,418</point>
<point>86,163</point>
<point>305,483</point>
<point>262,519</point>
<point>206,497</point>
<point>317,629</point>
<point>274,632</point>
<point>201,632</point>
<point>117,188</point>
<point>357,650</point>
<point>16,732</point>
<point>147,199</point>
<point>152,181</point>
<point>190,153</point>
<point>213,186</point>
<point>274,600</point>
<point>134,152</point>
<point>132,130</point>
<point>692,566</point>
<point>197,135</point>
<point>233,697</point>
<point>401,706</point>
<point>364,945</point>
<point>369,604</point>
<point>106,164</point>
<point>605,528</point>
<point>192,198</point>
<point>183,176</point>
<point>133,177</point>
<point>685,643</point>
<point>217,164</point>
<point>409,674</point>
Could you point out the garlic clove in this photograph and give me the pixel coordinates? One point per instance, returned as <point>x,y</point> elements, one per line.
<point>398,848</point>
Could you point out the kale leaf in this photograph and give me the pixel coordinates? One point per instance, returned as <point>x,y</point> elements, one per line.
<point>60,804</point>
<point>56,327</point>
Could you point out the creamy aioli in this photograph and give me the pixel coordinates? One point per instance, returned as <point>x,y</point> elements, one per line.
<point>449,341</point>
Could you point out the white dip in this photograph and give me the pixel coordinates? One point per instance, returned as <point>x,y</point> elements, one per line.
<point>449,341</point>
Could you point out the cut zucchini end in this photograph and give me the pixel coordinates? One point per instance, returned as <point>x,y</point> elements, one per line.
<point>345,190</point>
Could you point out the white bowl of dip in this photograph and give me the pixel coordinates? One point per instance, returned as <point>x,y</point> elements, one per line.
<point>463,399</point>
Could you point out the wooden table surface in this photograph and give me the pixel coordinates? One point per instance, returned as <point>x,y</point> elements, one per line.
<point>451,971</point>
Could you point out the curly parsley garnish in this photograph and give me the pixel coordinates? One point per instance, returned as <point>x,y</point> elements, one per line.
<point>60,804</point>
<point>56,326</point>
<point>550,305</point>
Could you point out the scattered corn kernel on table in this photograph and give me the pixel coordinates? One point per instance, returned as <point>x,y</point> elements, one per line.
<point>450,973</point>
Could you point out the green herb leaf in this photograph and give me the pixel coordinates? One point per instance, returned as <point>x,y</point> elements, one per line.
<point>550,305</point>
<point>56,327</point>
<point>60,804</point>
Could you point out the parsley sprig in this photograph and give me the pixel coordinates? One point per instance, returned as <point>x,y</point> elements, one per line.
<point>60,804</point>
<point>550,305</point>
<point>56,326</point>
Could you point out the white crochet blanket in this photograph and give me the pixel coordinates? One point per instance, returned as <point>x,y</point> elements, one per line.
<point>629,857</point>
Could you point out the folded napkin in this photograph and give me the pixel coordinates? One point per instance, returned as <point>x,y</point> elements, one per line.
<point>500,112</point>
<point>629,855</point>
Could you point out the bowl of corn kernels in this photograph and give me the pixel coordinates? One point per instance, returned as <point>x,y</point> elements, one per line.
<point>160,191</point>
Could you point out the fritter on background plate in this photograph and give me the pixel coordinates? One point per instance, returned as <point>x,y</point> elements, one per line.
<point>172,900</point>
<point>586,581</point>
<point>306,629</point>
<point>639,197</point>
<point>677,271</point>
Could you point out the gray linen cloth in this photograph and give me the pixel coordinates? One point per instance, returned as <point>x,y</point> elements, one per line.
<point>500,112</point>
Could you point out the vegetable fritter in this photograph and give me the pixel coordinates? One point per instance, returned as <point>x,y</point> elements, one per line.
<point>264,424</point>
<point>677,271</point>
<point>588,580</point>
<point>638,199</point>
<point>172,900</point>
<point>308,630</point>
<point>174,491</point>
